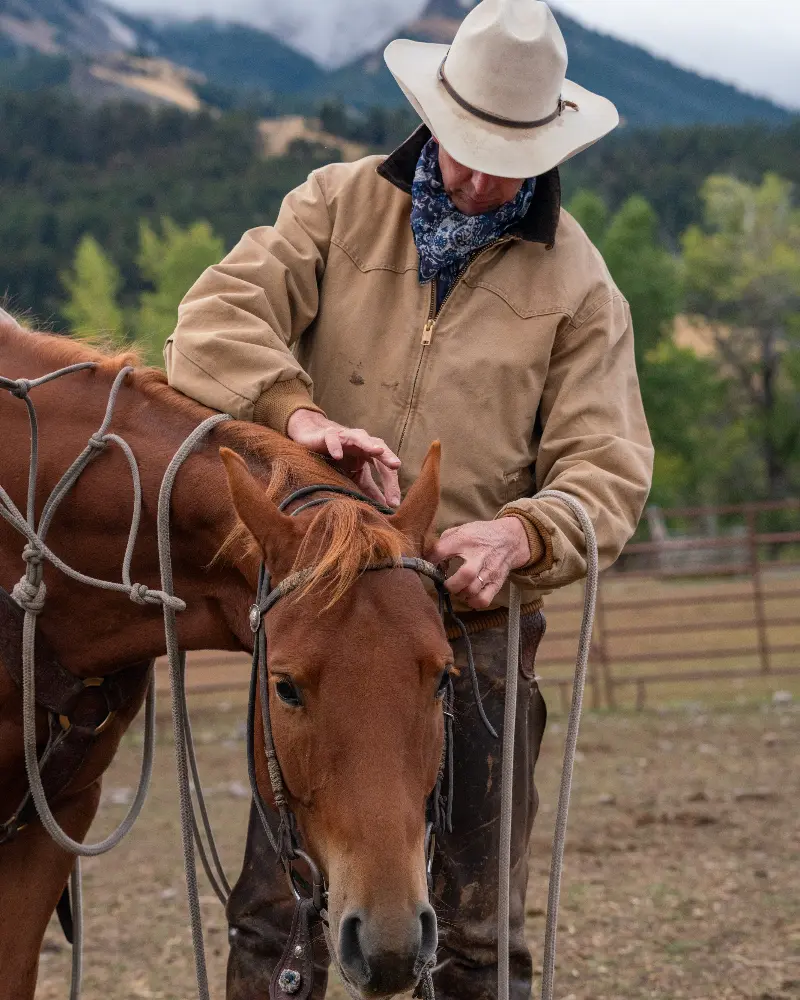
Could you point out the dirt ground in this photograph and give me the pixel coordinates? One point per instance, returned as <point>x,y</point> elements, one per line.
<point>682,875</point>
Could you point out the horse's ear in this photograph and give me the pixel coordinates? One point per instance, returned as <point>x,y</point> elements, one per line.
<point>277,535</point>
<point>416,515</point>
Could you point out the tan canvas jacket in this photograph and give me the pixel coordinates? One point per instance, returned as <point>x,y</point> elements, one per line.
<point>526,374</point>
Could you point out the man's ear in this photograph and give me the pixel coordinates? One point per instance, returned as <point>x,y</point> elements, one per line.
<point>276,534</point>
<point>416,515</point>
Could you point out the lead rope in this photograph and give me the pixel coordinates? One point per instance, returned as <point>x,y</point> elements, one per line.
<point>573,725</point>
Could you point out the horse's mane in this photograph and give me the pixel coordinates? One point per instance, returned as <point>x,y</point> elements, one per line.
<point>344,535</point>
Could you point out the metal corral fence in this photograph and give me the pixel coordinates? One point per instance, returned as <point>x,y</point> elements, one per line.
<point>711,594</point>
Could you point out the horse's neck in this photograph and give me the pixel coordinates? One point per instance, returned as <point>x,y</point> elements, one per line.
<point>92,630</point>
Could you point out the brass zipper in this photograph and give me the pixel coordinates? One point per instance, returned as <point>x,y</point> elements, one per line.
<point>430,324</point>
<point>434,314</point>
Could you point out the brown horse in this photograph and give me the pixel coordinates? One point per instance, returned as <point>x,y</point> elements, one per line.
<point>359,733</point>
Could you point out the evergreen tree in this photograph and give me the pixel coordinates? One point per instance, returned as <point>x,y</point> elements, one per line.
<point>170,262</point>
<point>93,285</point>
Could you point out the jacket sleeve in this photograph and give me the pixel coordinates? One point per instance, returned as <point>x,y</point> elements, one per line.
<point>232,347</point>
<point>594,445</point>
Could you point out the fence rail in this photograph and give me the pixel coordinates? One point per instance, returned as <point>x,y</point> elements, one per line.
<point>665,614</point>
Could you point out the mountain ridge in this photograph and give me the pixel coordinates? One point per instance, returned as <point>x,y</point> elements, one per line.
<point>649,91</point>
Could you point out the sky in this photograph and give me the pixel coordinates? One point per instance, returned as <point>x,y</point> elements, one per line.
<point>754,44</point>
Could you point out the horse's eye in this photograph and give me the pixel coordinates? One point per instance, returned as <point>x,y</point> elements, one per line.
<point>444,680</point>
<point>288,693</point>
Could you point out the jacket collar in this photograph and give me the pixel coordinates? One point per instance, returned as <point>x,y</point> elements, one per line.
<point>540,222</point>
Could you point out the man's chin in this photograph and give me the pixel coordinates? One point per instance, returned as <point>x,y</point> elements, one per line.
<point>468,207</point>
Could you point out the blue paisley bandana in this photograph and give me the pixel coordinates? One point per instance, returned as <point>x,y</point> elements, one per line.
<point>446,238</point>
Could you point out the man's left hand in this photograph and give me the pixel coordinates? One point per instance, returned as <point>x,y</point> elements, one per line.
<point>490,550</point>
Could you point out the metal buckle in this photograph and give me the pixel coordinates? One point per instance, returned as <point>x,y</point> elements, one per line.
<point>91,682</point>
<point>318,893</point>
<point>254,617</point>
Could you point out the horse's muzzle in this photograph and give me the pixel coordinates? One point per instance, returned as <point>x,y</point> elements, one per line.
<point>384,957</point>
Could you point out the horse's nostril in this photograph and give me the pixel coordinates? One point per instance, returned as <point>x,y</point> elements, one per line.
<point>429,937</point>
<point>351,954</point>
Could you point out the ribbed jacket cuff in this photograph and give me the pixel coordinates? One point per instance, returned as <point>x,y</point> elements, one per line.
<point>539,539</point>
<point>274,407</point>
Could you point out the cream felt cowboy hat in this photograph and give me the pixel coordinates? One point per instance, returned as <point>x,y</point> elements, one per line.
<point>497,98</point>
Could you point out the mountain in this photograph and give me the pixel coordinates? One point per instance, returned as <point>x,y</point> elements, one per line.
<point>233,55</point>
<point>648,91</point>
<point>57,27</point>
<point>106,53</point>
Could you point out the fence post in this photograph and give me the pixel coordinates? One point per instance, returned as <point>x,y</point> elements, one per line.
<point>758,593</point>
<point>599,642</point>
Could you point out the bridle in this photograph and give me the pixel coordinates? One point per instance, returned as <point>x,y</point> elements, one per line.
<point>285,840</point>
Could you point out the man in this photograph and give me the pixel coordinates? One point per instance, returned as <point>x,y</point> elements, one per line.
<point>442,293</point>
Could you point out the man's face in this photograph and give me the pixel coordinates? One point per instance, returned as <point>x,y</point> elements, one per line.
<point>472,192</point>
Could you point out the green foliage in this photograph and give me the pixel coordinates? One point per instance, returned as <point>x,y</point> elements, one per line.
<point>589,209</point>
<point>699,450</point>
<point>93,287</point>
<point>743,278</point>
<point>647,274</point>
<point>668,166</point>
<point>31,71</point>
<point>171,263</point>
<point>67,170</point>
<point>380,128</point>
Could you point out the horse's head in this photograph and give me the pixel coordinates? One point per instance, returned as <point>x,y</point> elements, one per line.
<point>357,670</point>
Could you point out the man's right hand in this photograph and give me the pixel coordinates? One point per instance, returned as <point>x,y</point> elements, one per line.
<point>356,452</point>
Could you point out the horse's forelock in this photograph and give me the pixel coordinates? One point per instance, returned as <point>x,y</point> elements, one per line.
<point>342,540</point>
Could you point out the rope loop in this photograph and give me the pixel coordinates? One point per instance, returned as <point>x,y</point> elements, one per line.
<point>32,556</point>
<point>21,388</point>
<point>139,594</point>
<point>30,595</point>
<point>97,442</point>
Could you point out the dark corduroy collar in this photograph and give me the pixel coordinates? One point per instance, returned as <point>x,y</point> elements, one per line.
<point>539,224</point>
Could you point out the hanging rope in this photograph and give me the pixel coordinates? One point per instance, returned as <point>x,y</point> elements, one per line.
<point>571,743</point>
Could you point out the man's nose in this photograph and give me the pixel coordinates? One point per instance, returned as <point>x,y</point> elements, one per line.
<point>481,184</point>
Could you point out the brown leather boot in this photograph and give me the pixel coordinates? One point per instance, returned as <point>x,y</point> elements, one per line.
<point>465,870</point>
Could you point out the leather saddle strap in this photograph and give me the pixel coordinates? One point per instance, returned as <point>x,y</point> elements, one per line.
<point>76,712</point>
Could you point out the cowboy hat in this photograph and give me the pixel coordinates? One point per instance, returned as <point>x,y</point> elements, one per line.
<point>497,99</point>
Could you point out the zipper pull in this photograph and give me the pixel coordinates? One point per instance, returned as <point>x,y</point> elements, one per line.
<point>427,332</point>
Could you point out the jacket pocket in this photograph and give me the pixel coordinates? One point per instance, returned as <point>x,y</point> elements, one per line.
<point>517,483</point>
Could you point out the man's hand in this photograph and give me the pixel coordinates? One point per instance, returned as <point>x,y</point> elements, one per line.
<point>357,453</point>
<point>490,550</point>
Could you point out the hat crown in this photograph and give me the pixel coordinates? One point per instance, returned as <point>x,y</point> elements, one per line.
<point>509,58</point>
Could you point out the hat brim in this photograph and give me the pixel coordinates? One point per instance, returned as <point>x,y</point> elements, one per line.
<point>495,149</point>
